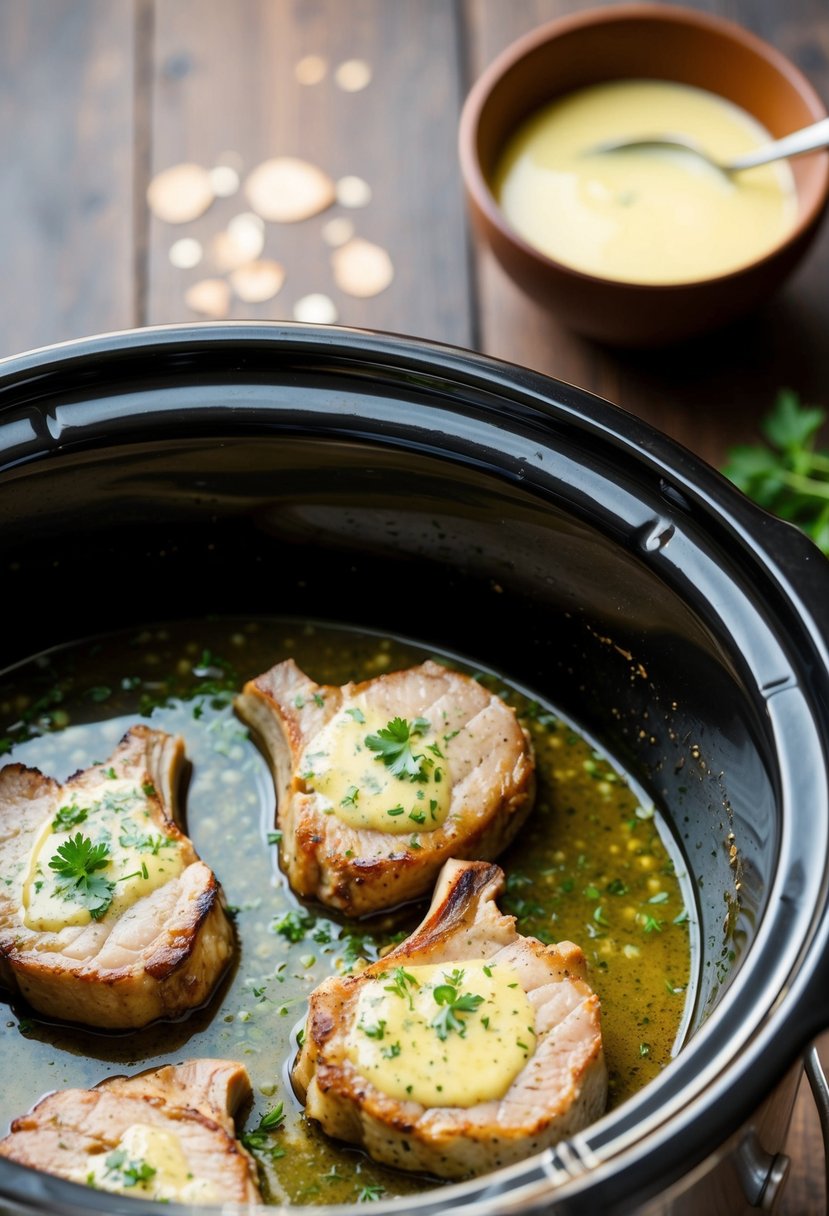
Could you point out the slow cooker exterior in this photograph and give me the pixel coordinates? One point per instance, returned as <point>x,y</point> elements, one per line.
<point>304,470</point>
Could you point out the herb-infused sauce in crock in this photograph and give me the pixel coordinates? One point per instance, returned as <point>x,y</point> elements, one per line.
<point>594,865</point>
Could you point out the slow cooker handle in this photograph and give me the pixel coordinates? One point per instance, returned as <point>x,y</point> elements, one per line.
<point>820,1093</point>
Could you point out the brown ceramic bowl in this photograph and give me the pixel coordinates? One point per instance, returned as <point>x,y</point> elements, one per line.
<point>630,41</point>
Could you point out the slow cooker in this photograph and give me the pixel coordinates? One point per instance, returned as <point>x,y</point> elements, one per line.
<point>221,468</point>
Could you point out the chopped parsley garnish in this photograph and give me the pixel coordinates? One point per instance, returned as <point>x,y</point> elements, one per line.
<point>76,864</point>
<point>370,1193</point>
<point>274,837</point>
<point>294,925</point>
<point>352,795</point>
<point>133,838</point>
<point>142,873</point>
<point>391,1052</point>
<point>393,743</point>
<point>69,817</point>
<point>357,714</point>
<point>259,1139</point>
<point>401,984</point>
<point>148,789</point>
<point>130,1171</point>
<point>378,1031</point>
<point>453,1002</point>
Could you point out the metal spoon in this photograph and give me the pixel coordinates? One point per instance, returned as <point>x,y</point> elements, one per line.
<point>809,139</point>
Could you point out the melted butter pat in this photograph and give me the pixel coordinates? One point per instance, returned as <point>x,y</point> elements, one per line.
<point>357,786</point>
<point>643,216</point>
<point>396,1044</point>
<point>140,857</point>
<point>148,1162</point>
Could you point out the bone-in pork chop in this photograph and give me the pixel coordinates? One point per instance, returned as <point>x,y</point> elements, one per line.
<point>379,783</point>
<point>466,1048</point>
<point>107,914</point>
<point>167,1134</point>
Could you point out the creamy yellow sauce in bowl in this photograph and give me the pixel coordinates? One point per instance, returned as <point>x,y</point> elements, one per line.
<point>643,216</point>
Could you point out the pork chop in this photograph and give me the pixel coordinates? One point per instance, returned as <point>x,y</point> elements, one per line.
<point>167,1134</point>
<point>466,1048</point>
<point>107,914</point>
<point>379,783</point>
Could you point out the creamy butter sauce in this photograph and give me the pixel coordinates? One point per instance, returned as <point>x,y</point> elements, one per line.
<point>643,216</point>
<point>148,1163</point>
<point>594,864</point>
<point>344,766</point>
<point>135,860</point>
<point>443,1035</point>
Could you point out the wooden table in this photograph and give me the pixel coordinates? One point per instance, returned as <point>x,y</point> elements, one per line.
<point>97,96</point>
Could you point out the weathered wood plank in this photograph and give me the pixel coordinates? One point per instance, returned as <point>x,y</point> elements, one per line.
<point>225,79</point>
<point>66,131</point>
<point>710,393</point>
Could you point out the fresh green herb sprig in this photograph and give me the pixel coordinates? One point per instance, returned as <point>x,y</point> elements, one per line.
<point>258,1140</point>
<point>394,743</point>
<point>453,1002</point>
<point>76,864</point>
<point>788,474</point>
<point>402,984</point>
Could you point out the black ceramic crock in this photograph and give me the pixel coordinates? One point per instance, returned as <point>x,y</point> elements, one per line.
<point>432,493</point>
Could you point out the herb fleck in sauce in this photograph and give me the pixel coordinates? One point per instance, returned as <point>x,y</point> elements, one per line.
<point>593,865</point>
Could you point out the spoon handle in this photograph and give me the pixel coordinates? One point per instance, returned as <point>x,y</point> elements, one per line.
<point>810,139</point>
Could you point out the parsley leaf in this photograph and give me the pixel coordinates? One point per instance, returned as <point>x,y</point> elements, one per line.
<point>131,1171</point>
<point>401,984</point>
<point>258,1140</point>
<point>787,474</point>
<point>453,1002</point>
<point>75,865</point>
<point>69,817</point>
<point>131,837</point>
<point>370,1194</point>
<point>393,742</point>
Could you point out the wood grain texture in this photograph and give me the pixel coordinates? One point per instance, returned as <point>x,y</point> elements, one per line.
<point>709,393</point>
<point>66,133</point>
<point>225,79</point>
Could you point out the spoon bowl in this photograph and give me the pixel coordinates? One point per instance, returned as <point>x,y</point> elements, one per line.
<point>812,138</point>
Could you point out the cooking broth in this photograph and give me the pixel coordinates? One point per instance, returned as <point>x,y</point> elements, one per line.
<point>595,864</point>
